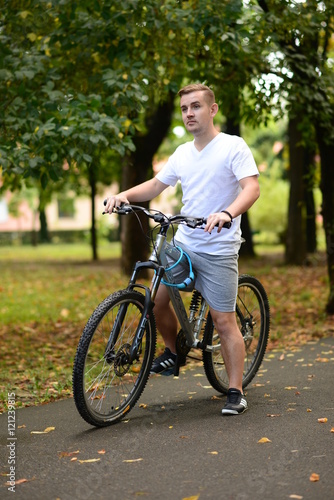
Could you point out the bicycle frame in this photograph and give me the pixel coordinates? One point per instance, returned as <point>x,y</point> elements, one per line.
<point>158,263</point>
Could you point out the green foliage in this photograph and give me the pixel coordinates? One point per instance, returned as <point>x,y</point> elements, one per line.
<point>75,78</point>
<point>66,87</point>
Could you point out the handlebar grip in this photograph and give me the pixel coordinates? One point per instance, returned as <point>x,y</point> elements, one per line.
<point>226,225</point>
<point>114,210</point>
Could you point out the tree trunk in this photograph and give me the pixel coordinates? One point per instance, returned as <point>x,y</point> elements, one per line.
<point>327,188</point>
<point>311,229</point>
<point>295,251</point>
<point>93,235</point>
<point>137,168</point>
<point>247,248</point>
<point>133,233</point>
<point>44,236</point>
<point>309,182</point>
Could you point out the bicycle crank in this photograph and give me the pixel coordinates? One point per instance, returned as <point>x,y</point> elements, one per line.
<point>182,350</point>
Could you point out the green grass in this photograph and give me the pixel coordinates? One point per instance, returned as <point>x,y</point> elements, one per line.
<point>55,282</point>
<point>76,252</point>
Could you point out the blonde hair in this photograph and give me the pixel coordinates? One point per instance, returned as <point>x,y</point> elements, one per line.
<point>198,87</point>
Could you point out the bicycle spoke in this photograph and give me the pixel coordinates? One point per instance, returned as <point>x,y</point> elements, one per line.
<point>105,383</point>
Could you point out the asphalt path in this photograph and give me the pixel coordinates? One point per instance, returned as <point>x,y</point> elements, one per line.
<point>176,445</point>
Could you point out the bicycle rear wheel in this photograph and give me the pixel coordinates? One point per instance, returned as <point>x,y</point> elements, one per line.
<point>105,385</point>
<point>253,318</point>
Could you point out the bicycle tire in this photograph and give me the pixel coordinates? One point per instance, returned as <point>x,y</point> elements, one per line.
<point>253,318</point>
<point>105,387</point>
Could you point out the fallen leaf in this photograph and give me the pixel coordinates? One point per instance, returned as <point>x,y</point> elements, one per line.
<point>290,388</point>
<point>314,477</point>
<point>264,440</point>
<point>273,415</point>
<point>184,437</point>
<point>322,420</point>
<point>74,459</point>
<point>194,497</point>
<point>62,454</point>
<point>215,397</point>
<point>281,357</point>
<point>89,461</point>
<point>213,452</point>
<point>19,481</point>
<point>46,431</point>
<point>322,360</point>
<point>131,461</point>
<point>143,405</point>
<point>101,452</point>
<point>309,409</point>
<point>332,429</point>
<point>297,497</point>
<point>21,426</point>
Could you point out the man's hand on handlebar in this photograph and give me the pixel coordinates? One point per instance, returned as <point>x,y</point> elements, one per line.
<point>218,220</point>
<point>114,202</point>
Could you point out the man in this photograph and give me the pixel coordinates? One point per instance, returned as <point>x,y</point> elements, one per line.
<point>219,180</point>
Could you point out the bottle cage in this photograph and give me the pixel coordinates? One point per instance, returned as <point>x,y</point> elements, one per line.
<point>188,280</point>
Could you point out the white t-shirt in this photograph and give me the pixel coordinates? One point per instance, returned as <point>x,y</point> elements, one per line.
<point>210,183</point>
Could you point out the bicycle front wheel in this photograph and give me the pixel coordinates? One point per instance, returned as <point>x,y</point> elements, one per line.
<point>253,319</point>
<point>105,384</point>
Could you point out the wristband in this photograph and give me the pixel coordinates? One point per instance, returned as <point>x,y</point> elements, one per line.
<point>227,213</point>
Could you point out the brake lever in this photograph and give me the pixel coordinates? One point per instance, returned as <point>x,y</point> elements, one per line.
<point>194,223</point>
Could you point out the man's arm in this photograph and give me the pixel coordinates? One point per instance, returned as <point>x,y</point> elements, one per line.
<point>142,192</point>
<point>249,194</point>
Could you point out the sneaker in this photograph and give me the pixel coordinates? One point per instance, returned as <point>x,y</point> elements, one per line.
<point>235,404</point>
<point>164,364</point>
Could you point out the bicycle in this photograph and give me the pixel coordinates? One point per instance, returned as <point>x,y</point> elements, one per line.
<point>117,346</point>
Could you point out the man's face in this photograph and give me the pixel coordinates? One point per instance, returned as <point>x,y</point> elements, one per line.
<point>197,114</point>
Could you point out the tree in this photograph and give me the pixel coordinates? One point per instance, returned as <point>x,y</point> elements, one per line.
<point>304,34</point>
<point>68,84</point>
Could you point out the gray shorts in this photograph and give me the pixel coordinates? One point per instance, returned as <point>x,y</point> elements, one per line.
<point>216,277</point>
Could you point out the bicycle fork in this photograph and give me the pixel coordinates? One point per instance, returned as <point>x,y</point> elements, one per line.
<point>132,352</point>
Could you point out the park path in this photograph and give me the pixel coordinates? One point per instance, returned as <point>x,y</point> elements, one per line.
<point>175,444</point>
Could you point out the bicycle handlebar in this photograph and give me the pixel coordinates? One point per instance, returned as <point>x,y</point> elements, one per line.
<point>162,219</point>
